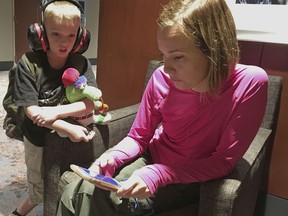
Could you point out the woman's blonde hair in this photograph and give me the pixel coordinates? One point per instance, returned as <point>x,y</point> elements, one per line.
<point>210,24</point>
<point>62,11</point>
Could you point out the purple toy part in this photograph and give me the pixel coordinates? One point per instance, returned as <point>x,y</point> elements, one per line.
<point>82,80</point>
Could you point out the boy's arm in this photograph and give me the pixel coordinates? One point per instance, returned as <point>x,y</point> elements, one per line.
<point>50,117</point>
<point>75,132</point>
<point>43,116</point>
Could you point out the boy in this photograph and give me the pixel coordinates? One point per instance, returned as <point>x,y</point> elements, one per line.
<point>43,96</point>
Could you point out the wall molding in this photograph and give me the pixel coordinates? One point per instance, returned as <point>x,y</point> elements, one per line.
<point>269,205</point>
<point>93,61</point>
<point>6,65</point>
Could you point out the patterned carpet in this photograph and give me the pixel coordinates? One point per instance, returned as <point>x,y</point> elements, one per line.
<point>12,166</point>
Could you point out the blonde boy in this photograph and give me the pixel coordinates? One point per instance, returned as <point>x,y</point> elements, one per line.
<point>42,96</point>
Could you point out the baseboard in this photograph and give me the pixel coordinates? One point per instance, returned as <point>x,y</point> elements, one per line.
<point>93,61</point>
<point>269,205</point>
<point>6,65</point>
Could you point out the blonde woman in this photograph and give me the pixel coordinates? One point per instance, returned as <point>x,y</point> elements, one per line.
<point>198,115</point>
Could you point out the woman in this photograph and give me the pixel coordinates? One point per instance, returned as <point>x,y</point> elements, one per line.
<point>192,124</point>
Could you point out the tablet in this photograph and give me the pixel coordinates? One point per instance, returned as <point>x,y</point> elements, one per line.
<point>96,179</point>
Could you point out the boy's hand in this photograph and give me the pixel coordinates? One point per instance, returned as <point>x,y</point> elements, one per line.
<point>77,133</point>
<point>45,116</point>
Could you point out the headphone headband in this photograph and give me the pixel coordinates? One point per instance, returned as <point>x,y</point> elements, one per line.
<point>45,3</point>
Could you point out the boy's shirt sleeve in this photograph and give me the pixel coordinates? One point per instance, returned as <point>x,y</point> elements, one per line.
<point>25,85</point>
<point>90,75</point>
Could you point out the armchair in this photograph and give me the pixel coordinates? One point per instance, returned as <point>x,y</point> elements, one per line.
<point>234,195</point>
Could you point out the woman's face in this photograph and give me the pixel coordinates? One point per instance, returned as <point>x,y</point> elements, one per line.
<point>184,62</point>
<point>61,36</point>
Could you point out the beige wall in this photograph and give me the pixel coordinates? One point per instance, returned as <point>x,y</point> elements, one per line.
<point>92,25</point>
<point>7,29</point>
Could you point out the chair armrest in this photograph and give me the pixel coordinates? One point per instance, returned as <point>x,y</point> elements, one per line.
<point>118,128</point>
<point>237,193</point>
<point>59,152</point>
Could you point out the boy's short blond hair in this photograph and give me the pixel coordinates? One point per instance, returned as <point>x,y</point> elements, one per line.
<point>62,11</point>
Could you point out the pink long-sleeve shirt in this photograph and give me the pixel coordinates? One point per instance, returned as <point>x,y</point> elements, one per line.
<point>194,138</point>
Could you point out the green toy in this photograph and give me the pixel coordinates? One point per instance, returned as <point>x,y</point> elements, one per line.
<point>76,89</point>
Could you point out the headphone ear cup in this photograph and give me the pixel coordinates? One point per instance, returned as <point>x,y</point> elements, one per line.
<point>82,41</point>
<point>37,38</point>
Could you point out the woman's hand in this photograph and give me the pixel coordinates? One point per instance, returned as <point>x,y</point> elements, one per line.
<point>134,187</point>
<point>105,164</point>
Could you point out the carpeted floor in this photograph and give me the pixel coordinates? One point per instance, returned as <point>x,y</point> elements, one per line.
<point>12,166</point>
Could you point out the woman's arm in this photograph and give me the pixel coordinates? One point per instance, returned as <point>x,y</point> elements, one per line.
<point>233,143</point>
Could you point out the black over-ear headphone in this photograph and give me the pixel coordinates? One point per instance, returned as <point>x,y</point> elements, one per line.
<point>37,38</point>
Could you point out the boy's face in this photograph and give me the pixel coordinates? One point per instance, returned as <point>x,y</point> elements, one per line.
<point>61,36</point>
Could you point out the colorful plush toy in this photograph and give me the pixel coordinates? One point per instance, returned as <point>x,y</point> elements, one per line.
<point>76,89</point>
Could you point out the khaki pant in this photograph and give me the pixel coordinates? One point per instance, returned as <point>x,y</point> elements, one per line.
<point>82,198</point>
<point>34,163</point>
